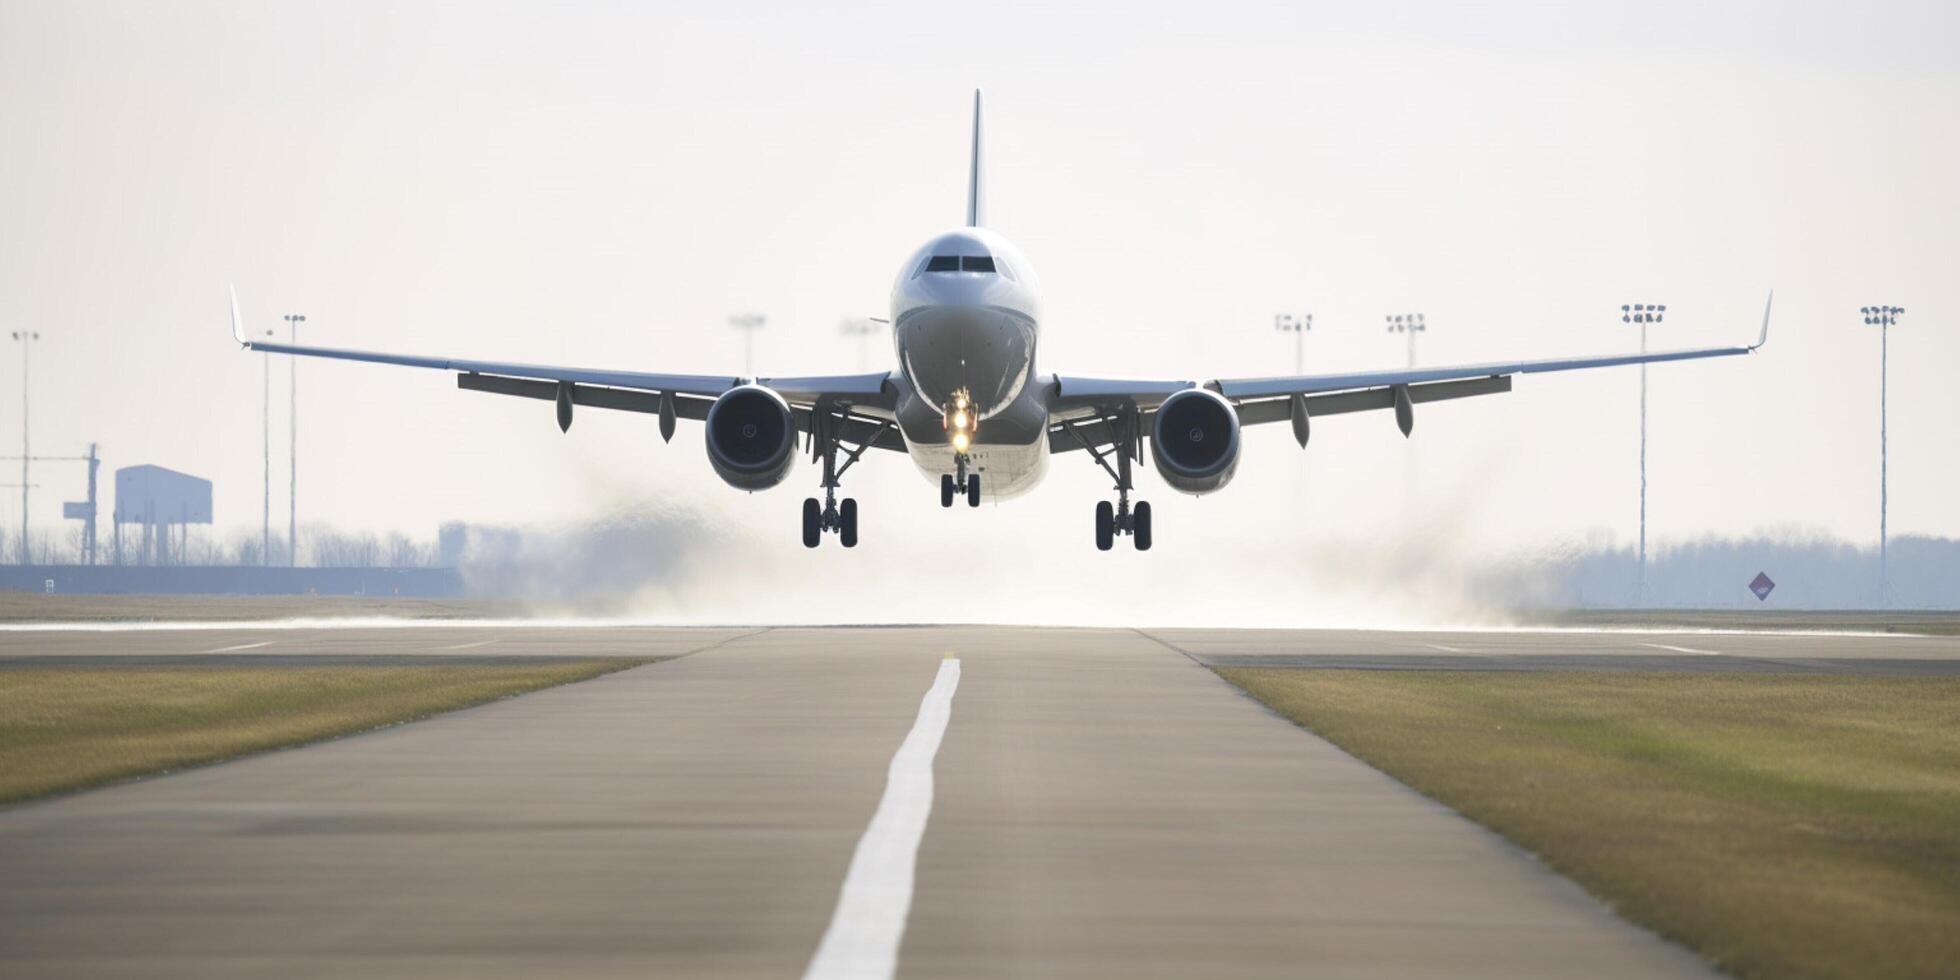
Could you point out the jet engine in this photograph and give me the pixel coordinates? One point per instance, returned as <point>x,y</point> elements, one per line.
<point>1195,440</point>
<point>751,437</point>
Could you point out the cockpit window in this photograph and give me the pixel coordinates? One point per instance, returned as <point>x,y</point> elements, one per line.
<point>943,263</point>
<point>977,263</point>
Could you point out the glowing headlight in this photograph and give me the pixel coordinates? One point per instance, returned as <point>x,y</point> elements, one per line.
<point>960,442</point>
<point>959,419</point>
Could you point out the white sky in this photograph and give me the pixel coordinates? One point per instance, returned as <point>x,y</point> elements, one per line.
<point>603,186</point>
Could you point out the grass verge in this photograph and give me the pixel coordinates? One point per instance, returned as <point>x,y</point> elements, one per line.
<point>1781,825</point>
<point>65,729</point>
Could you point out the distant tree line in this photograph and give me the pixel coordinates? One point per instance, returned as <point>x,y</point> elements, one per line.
<point>1811,571</point>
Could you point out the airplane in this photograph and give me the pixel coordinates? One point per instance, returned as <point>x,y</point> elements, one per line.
<point>966,402</point>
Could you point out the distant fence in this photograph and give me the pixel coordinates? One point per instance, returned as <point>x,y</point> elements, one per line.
<point>427,583</point>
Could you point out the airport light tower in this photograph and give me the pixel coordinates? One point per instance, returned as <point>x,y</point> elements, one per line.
<point>862,328</point>
<point>293,320</point>
<point>748,323</point>
<point>1881,317</point>
<point>265,519</point>
<point>27,339</point>
<point>1643,314</point>
<point>1411,324</point>
<point>1299,327</point>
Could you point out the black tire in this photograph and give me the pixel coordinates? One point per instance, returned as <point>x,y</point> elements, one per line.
<point>1140,529</point>
<point>1105,526</point>
<point>973,489</point>
<point>945,490</point>
<point>847,519</point>
<point>812,522</point>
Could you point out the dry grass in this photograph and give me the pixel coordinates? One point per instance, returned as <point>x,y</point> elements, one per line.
<point>68,728</point>
<point>1781,825</point>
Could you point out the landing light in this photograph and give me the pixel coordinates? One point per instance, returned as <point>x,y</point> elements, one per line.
<point>959,419</point>
<point>960,442</point>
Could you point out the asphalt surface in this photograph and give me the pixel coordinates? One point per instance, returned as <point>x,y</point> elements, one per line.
<point>1104,806</point>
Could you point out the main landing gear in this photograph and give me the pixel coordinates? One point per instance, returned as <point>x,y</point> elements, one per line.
<point>827,430</point>
<point>1119,517</point>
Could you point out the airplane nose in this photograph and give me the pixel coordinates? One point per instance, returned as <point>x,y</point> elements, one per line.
<point>985,352</point>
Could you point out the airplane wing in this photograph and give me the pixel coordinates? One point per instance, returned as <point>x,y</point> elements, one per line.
<point>858,403</point>
<point>1085,406</point>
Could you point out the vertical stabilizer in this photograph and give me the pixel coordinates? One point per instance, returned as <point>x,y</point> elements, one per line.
<point>976,190</point>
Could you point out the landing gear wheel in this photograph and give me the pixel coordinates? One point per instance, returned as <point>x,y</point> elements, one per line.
<point>1140,525</point>
<point>946,490</point>
<point>812,522</point>
<point>973,490</point>
<point>1105,525</point>
<point>847,522</point>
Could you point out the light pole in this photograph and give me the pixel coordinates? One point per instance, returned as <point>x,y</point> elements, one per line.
<point>1298,326</point>
<point>265,528</point>
<point>1411,324</point>
<point>1881,317</point>
<point>748,323</point>
<point>293,320</point>
<point>1643,314</point>
<point>26,338</point>
<point>861,328</point>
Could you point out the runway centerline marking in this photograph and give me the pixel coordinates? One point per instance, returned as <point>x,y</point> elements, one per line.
<point>241,646</point>
<point>1439,646</point>
<point>865,930</point>
<point>1663,646</point>
<point>468,646</point>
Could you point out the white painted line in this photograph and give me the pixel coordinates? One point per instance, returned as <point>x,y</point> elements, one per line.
<point>1663,646</point>
<point>241,646</point>
<point>468,646</point>
<point>862,941</point>
<point>1439,646</point>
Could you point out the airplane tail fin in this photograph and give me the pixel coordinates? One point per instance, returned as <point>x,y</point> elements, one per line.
<point>976,191</point>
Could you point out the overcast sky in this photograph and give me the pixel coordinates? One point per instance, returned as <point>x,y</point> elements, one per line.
<point>602,186</point>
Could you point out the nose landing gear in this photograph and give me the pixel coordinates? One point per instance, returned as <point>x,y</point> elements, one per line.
<point>961,422</point>
<point>840,516</point>
<point>951,487</point>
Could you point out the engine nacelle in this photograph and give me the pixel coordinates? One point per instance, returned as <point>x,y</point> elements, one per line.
<point>1195,440</point>
<point>751,437</point>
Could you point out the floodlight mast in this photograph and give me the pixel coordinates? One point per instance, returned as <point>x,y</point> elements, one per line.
<point>1643,314</point>
<point>1882,317</point>
<point>862,328</point>
<point>26,338</point>
<point>265,429</point>
<point>1411,324</point>
<point>1299,327</point>
<point>748,323</point>
<point>293,320</point>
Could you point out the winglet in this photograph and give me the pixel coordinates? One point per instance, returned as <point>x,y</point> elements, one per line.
<point>1764,338</point>
<point>237,322</point>
<point>976,192</point>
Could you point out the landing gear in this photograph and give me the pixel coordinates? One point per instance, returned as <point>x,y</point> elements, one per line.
<point>1119,517</point>
<point>951,486</point>
<point>827,431</point>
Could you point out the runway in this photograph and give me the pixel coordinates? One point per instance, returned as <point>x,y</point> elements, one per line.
<point>1097,804</point>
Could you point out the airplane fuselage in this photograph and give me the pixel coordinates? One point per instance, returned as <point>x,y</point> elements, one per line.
<point>965,322</point>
